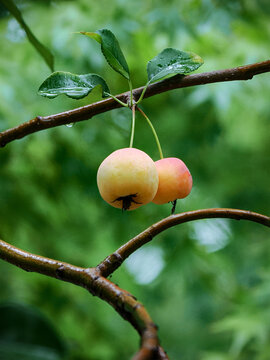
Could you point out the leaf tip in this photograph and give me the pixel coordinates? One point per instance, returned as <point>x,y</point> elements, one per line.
<point>196,58</point>
<point>94,35</point>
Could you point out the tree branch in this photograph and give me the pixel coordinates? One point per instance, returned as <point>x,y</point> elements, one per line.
<point>113,261</point>
<point>95,281</point>
<point>86,112</point>
<point>89,278</point>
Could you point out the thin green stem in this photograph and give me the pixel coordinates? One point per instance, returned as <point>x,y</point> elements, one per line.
<point>131,93</point>
<point>142,94</point>
<point>132,126</point>
<point>115,98</point>
<point>153,131</point>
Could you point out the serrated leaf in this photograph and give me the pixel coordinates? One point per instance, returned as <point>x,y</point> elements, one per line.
<point>72,85</point>
<point>171,62</point>
<point>111,50</point>
<point>42,50</point>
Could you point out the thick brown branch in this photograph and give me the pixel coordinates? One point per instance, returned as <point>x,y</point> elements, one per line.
<point>113,261</point>
<point>86,112</point>
<point>89,278</point>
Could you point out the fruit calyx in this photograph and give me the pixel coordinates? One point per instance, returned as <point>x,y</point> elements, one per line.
<point>127,201</point>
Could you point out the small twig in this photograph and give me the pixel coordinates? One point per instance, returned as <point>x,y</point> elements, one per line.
<point>113,261</point>
<point>86,112</point>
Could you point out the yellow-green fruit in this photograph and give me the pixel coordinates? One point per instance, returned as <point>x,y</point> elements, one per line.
<point>127,179</point>
<point>175,180</point>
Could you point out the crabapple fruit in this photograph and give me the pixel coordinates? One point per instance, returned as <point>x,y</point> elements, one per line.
<point>175,181</point>
<point>127,179</point>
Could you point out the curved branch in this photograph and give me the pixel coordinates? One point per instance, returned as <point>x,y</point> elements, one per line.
<point>94,279</point>
<point>113,261</point>
<point>89,278</point>
<point>86,112</point>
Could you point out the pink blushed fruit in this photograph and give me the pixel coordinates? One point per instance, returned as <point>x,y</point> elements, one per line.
<point>175,180</point>
<point>127,179</point>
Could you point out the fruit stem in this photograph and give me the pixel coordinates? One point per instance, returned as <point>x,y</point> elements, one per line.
<point>174,202</point>
<point>115,98</point>
<point>132,126</point>
<point>153,131</point>
<point>131,94</point>
<point>143,92</point>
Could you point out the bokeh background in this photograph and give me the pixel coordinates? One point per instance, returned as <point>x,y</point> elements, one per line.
<point>206,283</point>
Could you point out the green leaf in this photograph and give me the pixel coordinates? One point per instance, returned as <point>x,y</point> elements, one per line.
<point>41,49</point>
<point>72,85</point>
<point>171,62</point>
<point>92,35</point>
<point>26,334</point>
<point>111,50</point>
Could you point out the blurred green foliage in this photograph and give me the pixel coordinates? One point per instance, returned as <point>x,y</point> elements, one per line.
<point>27,335</point>
<point>208,285</point>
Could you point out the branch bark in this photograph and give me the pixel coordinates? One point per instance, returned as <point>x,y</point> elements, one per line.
<point>89,278</point>
<point>95,281</point>
<point>87,112</point>
<point>113,261</point>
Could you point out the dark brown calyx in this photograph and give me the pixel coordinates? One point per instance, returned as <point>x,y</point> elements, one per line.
<point>127,201</point>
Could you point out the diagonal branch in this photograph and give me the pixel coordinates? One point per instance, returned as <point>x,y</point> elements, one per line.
<point>86,112</point>
<point>113,261</point>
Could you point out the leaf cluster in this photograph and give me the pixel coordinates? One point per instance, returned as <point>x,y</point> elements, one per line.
<point>168,63</point>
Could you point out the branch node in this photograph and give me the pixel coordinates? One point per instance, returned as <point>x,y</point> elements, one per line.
<point>38,120</point>
<point>60,272</point>
<point>95,278</point>
<point>110,264</point>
